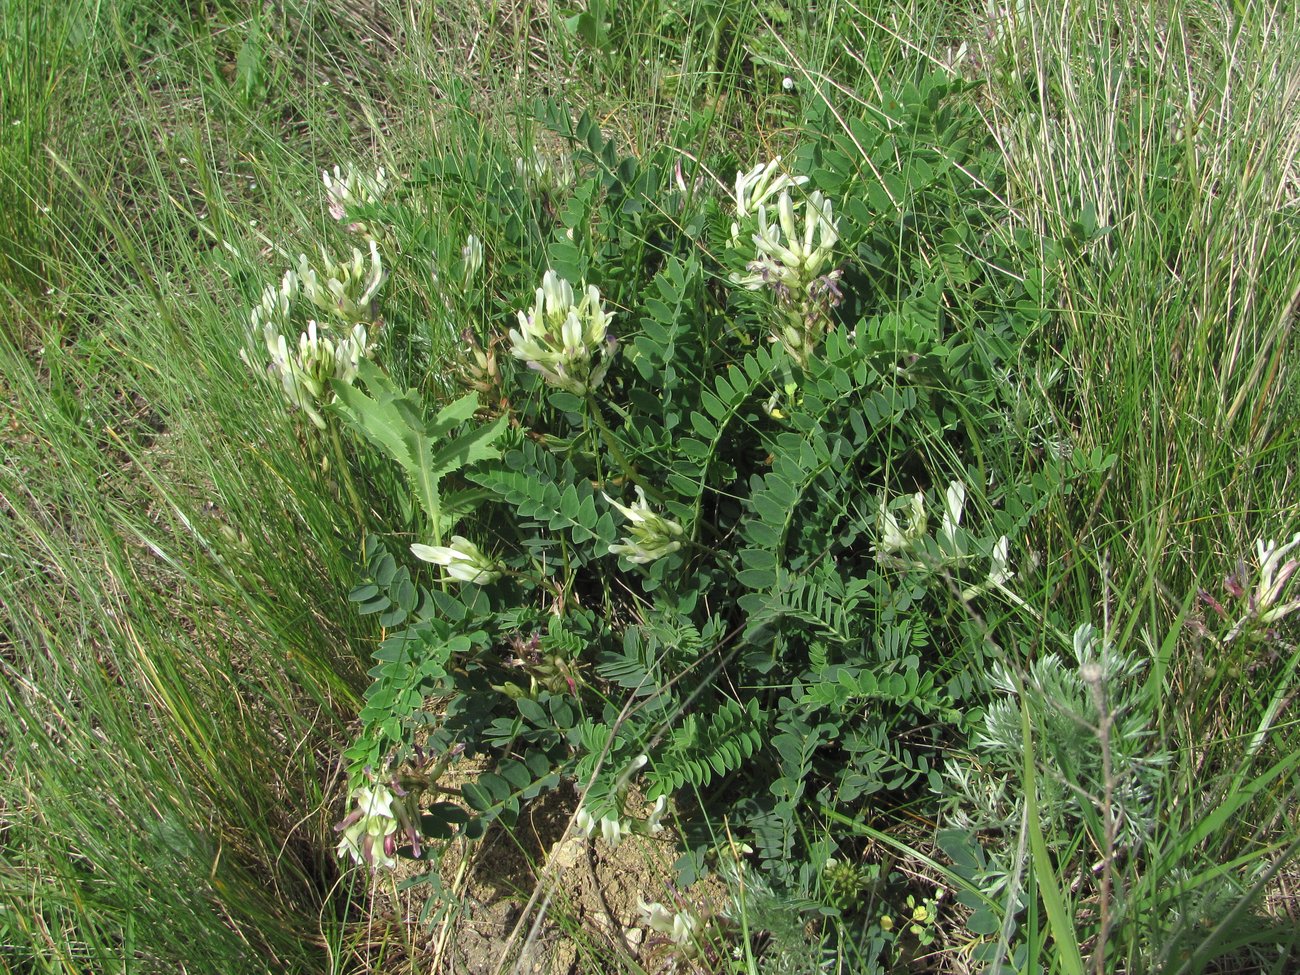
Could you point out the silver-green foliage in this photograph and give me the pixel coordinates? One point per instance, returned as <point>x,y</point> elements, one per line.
<point>1101,763</point>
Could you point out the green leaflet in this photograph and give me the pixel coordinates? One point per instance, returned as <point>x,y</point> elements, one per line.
<point>427,450</point>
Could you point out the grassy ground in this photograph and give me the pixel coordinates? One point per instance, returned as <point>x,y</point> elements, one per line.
<point>177,657</point>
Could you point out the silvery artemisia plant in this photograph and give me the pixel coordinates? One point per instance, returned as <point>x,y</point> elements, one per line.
<point>1081,704</point>
<point>793,242</point>
<point>568,343</point>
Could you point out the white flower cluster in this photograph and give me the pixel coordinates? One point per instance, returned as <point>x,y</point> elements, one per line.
<point>331,309</point>
<point>346,289</point>
<point>756,187</point>
<point>463,560</point>
<point>369,833</point>
<point>567,342</point>
<point>352,189</point>
<point>305,372</point>
<point>272,312</point>
<point>650,536</point>
<point>320,354</point>
<point>794,249</point>
<point>893,538</point>
<point>793,240</point>
<point>1264,605</point>
<point>680,927</point>
<point>614,829</point>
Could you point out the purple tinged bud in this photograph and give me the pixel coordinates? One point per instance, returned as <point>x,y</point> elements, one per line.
<point>1234,583</point>
<point>1213,603</point>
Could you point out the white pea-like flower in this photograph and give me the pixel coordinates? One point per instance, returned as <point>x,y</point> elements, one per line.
<point>352,188</point>
<point>368,834</point>
<point>612,829</point>
<point>893,537</point>
<point>794,249</point>
<point>1274,574</point>
<point>346,289</point>
<point>755,187</point>
<point>999,573</point>
<point>954,502</point>
<point>679,926</point>
<point>321,354</point>
<point>793,237</point>
<point>654,822</point>
<point>999,565</point>
<point>547,176</point>
<point>271,314</point>
<point>650,535</point>
<point>567,342</point>
<point>305,371</point>
<point>1265,606</point>
<point>462,559</point>
<point>471,257</point>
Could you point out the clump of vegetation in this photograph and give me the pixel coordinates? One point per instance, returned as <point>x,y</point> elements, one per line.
<point>803,462</point>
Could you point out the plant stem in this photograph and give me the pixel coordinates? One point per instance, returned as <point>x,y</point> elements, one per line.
<point>340,459</point>
<point>616,451</point>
